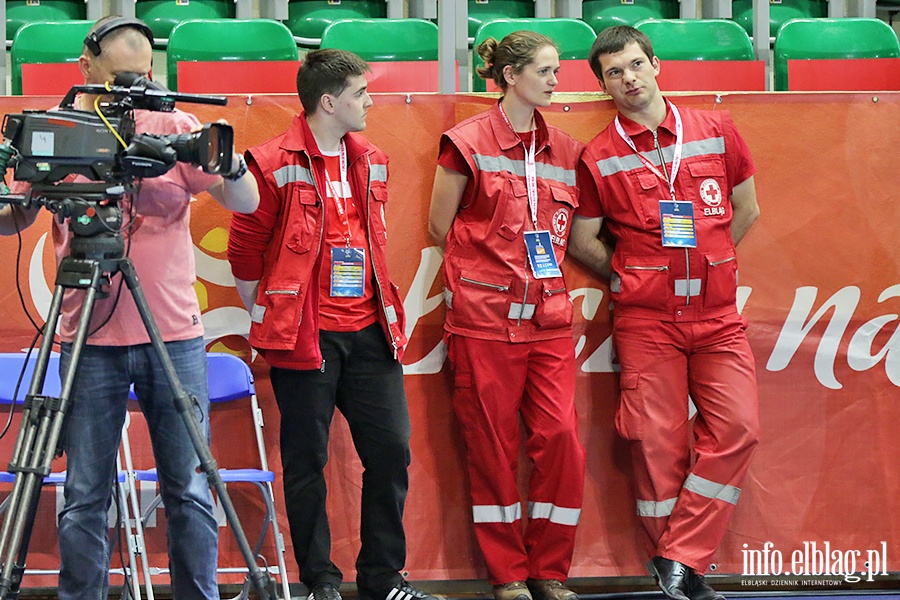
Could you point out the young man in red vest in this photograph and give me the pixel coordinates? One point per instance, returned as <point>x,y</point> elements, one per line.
<point>675,187</point>
<point>310,265</point>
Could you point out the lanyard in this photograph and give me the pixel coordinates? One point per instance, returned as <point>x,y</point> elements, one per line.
<point>338,192</point>
<point>530,170</point>
<point>676,159</point>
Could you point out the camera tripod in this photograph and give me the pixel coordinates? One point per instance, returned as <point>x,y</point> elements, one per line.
<point>90,265</point>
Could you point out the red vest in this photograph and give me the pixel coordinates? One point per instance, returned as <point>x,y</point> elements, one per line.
<point>490,290</point>
<point>288,291</point>
<point>650,280</point>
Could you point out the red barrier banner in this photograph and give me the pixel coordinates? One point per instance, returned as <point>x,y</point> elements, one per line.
<point>819,284</point>
<point>874,74</point>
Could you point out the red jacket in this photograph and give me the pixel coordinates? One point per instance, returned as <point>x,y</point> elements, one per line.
<point>281,243</point>
<point>490,290</point>
<point>650,280</point>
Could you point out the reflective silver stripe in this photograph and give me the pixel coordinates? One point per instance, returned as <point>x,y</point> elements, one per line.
<point>683,289</point>
<point>630,162</point>
<point>615,283</point>
<point>448,298</point>
<point>711,489</point>
<point>516,311</point>
<point>257,313</point>
<point>497,514</point>
<point>555,514</point>
<point>391,313</point>
<point>377,172</point>
<point>649,508</point>
<point>292,173</point>
<point>497,164</point>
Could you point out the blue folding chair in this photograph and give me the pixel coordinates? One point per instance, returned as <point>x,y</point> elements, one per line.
<point>11,367</point>
<point>231,379</point>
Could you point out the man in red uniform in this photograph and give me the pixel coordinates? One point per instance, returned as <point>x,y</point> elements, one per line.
<point>310,265</point>
<point>675,187</point>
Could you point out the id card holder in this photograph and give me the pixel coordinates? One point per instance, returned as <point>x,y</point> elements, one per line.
<point>541,255</point>
<point>677,221</point>
<point>348,272</point>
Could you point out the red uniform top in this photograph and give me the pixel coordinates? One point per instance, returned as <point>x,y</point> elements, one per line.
<point>650,280</point>
<point>490,290</point>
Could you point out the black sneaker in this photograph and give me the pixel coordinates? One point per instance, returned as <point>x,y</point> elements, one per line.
<point>324,591</point>
<point>402,590</point>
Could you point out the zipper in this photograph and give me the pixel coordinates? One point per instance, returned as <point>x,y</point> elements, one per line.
<point>286,292</point>
<point>641,268</point>
<point>499,288</point>
<point>557,291</point>
<point>687,252</point>
<point>525,293</point>
<point>322,368</point>
<point>724,260</point>
<point>372,257</point>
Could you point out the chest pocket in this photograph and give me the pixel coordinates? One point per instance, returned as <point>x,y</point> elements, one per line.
<point>708,185</point>
<point>509,217</point>
<point>301,228</point>
<point>377,221</point>
<point>651,192</point>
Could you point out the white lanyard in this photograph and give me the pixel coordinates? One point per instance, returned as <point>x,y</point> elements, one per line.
<point>530,170</point>
<point>676,159</point>
<point>338,192</point>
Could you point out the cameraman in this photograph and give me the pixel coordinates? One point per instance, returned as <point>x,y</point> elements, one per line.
<point>118,352</point>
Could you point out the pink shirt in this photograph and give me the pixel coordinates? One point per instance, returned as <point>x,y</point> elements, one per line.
<point>161,249</point>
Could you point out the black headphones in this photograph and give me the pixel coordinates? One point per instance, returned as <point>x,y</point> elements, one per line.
<point>92,41</point>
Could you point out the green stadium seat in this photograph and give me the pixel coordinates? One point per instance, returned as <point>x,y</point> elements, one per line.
<point>574,38</point>
<point>19,12</point>
<point>600,14</point>
<point>163,15</point>
<point>485,11</point>
<point>232,43</point>
<point>779,12</point>
<point>704,55</point>
<point>825,39</point>
<point>56,45</point>
<point>698,39</point>
<point>307,19</point>
<point>402,53</point>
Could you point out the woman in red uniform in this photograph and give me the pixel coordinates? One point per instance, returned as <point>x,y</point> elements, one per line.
<point>503,201</point>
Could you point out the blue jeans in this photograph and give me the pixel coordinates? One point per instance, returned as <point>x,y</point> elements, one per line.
<point>91,440</point>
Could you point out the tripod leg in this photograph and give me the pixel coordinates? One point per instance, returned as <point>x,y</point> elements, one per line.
<point>260,579</point>
<point>42,423</point>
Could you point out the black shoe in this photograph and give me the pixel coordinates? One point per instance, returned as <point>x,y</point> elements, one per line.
<point>672,577</point>
<point>324,591</point>
<point>402,590</point>
<point>698,589</point>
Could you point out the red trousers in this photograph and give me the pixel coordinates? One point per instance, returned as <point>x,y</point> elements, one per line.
<point>685,507</point>
<point>495,383</point>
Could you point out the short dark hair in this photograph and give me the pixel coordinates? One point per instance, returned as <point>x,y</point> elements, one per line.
<point>614,39</point>
<point>517,50</point>
<point>326,72</point>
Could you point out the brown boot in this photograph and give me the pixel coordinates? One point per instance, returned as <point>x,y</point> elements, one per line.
<point>514,590</point>
<point>550,589</point>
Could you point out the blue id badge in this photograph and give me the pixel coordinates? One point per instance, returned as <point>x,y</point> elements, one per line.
<point>348,272</point>
<point>677,220</point>
<point>541,254</point>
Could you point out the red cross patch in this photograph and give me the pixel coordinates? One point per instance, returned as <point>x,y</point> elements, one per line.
<point>560,221</point>
<point>710,192</point>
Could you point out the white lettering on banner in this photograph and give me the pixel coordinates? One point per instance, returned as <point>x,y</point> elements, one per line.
<point>417,304</point>
<point>859,352</point>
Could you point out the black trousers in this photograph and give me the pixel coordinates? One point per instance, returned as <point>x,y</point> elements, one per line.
<point>364,381</point>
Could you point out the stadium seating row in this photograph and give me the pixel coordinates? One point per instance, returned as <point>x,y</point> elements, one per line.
<point>307,19</point>
<point>260,55</point>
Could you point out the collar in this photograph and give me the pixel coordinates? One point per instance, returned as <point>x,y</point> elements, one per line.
<point>633,128</point>
<point>508,139</point>
<point>299,138</point>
